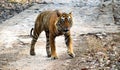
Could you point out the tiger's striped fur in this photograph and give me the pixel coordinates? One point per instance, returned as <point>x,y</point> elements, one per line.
<point>54,24</point>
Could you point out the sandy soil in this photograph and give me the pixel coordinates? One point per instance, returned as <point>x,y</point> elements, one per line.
<point>15,41</point>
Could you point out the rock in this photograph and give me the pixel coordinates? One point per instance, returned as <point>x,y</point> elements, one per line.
<point>84,69</point>
<point>101,35</point>
<point>116,11</point>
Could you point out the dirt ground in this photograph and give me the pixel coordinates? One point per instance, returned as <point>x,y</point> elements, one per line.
<point>97,46</point>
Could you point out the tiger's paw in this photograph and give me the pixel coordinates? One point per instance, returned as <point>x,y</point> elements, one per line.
<point>32,53</point>
<point>49,55</point>
<point>71,54</point>
<point>54,57</point>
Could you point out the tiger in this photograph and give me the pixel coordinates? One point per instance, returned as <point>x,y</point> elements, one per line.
<point>54,23</point>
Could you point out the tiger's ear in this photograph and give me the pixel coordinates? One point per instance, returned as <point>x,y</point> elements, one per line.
<point>58,13</point>
<point>70,13</point>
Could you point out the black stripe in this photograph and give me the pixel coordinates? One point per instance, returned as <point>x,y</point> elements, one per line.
<point>47,38</point>
<point>31,32</point>
<point>67,40</point>
<point>47,44</point>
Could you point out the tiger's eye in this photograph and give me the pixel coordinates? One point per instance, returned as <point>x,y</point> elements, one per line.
<point>68,17</point>
<point>62,19</point>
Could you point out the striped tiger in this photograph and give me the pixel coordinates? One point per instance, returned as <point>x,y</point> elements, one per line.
<point>54,23</point>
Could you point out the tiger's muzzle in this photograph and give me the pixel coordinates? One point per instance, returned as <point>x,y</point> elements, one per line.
<point>66,30</point>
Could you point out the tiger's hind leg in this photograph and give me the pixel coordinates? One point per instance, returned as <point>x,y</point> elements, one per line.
<point>48,49</point>
<point>68,42</point>
<point>33,42</point>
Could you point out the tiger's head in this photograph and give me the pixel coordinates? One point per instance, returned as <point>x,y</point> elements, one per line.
<point>64,22</point>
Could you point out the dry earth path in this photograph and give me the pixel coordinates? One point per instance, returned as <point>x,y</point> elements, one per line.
<point>15,40</point>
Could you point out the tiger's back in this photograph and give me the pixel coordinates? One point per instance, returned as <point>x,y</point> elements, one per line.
<point>45,20</point>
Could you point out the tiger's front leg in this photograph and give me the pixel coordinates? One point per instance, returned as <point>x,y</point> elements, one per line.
<point>53,48</point>
<point>68,42</point>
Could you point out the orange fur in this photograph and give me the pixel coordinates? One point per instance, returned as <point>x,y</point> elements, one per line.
<point>54,24</point>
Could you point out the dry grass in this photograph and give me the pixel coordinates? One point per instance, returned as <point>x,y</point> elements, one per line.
<point>94,43</point>
<point>23,1</point>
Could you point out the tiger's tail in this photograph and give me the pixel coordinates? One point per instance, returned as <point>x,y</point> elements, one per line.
<point>31,32</point>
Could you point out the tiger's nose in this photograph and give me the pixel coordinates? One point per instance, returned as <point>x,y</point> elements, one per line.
<point>66,29</point>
